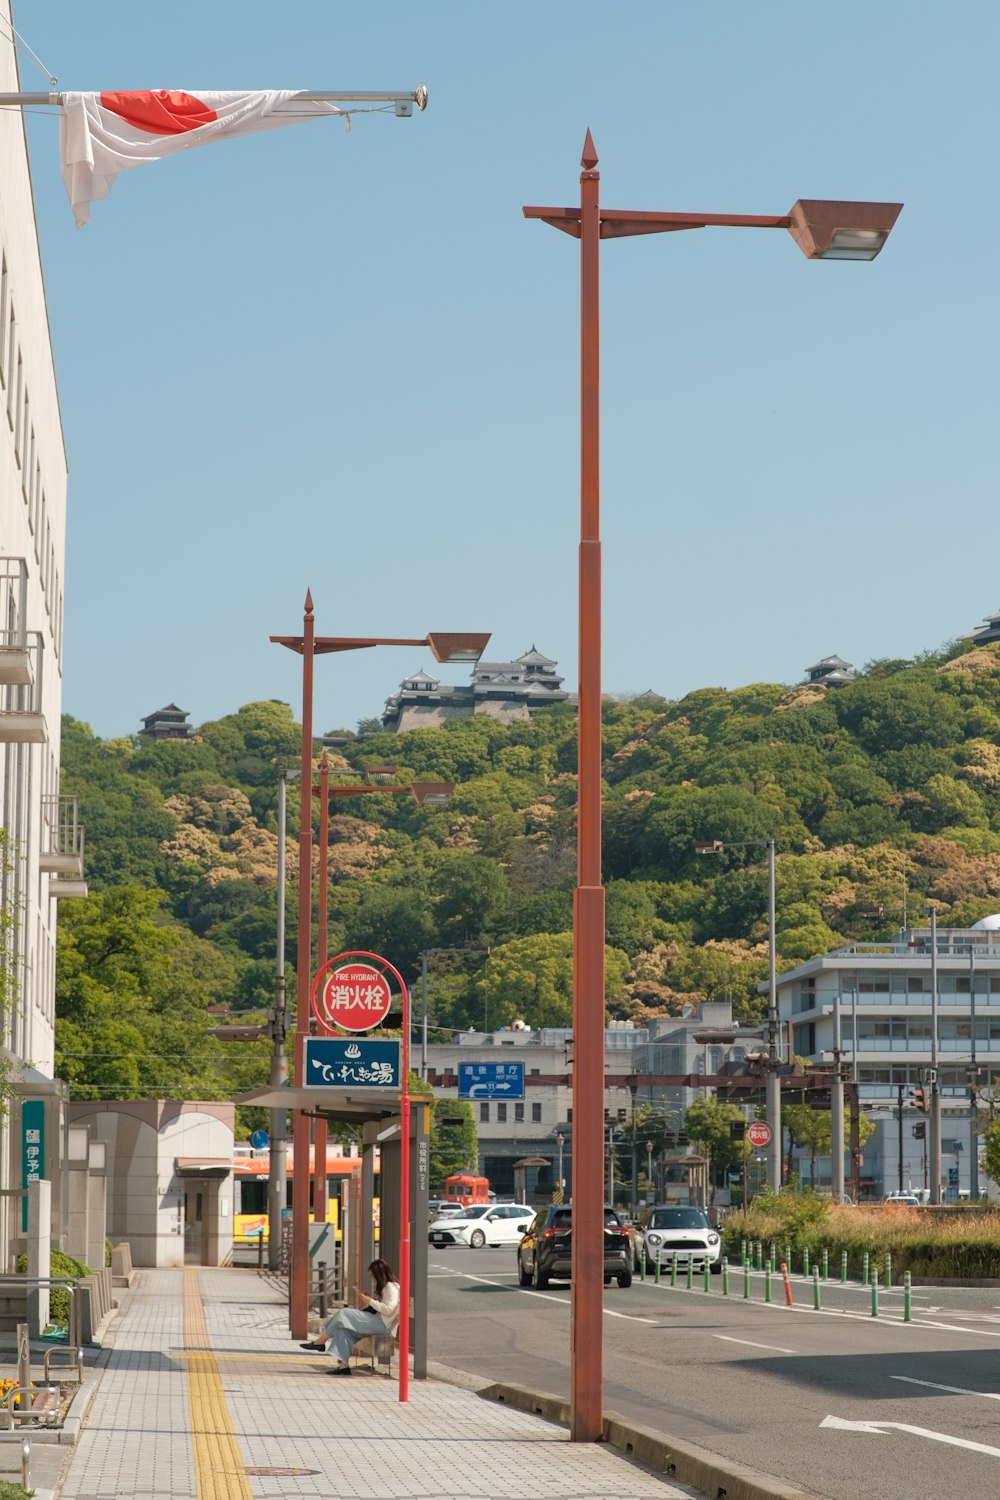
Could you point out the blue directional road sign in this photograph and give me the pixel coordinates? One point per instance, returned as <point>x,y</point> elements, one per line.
<point>260,1140</point>
<point>351,1062</point>
<point>501,1080</point>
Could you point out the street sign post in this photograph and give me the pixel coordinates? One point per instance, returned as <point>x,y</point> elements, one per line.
<point>759,1134</point>
<point>504,1080</point>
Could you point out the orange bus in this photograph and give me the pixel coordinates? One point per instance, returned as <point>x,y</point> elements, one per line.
<point>250,1176</point>
<point>463,1188</point>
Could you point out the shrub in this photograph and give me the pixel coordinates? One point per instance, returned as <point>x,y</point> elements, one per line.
<point>60,1264</point>
<point>919,1241</point>
<point>11,1491</point>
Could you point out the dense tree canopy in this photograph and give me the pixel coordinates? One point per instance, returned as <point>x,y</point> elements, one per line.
<point>882,793</point>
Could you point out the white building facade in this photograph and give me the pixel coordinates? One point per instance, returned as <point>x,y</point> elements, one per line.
<point>882,996</point>
<point>43,842</point>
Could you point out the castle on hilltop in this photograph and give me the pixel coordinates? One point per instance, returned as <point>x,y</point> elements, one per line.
<point>508,690</point>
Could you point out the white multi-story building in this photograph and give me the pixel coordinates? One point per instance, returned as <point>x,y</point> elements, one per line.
<point>43,842</point>
<point>884,997</point>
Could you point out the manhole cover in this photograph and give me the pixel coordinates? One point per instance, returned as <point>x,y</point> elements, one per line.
<point>281,1473</point>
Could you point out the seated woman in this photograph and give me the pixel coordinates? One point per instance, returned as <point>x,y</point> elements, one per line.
<point>352,1324</point>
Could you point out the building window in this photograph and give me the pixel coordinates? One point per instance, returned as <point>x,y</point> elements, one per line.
<point>484,1114</point>
<point>536,1072</point>
<point>874,984</point>
<point>3,320</point>
<point>11,337</point>
<point>518,1113</point>
<point>915,984</point>
<point>536,1113</point>
<point>501,1114</point>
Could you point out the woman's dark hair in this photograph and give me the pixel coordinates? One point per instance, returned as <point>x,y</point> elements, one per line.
<point>383,1272</point>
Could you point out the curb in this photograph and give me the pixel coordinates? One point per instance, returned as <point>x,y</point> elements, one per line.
<point>685,1462</point>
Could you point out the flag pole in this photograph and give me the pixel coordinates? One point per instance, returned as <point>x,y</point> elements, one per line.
<point>417,96</point>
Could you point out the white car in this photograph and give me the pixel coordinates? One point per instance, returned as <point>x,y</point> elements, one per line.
<point>483,1224</point>
<point>671,1230</point>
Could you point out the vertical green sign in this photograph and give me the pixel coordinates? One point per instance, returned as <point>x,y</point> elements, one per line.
<point>32,1149</point>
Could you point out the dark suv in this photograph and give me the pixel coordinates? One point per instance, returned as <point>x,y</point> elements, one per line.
<point>546,1249</point>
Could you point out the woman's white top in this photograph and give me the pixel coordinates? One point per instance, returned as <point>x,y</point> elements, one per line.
<point>388,1307</point>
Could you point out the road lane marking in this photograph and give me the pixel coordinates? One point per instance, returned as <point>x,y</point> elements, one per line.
<point>775,1347</point>
<point>548,1297</point>
<point>956,1390</point>
<point>880,1429</point>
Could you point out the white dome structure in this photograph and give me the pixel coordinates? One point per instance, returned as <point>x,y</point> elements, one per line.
<point>987,924</point>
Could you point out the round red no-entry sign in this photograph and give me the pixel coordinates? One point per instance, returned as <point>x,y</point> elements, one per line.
<point>354,997</point>
<point>759,1134</point>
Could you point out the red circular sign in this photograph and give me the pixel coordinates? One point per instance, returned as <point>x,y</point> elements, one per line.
<point>759,1134</point>
<point>354,997</point>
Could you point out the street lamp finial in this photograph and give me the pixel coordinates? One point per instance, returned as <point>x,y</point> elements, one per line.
<point>589,158</point>
<point>309,602</point>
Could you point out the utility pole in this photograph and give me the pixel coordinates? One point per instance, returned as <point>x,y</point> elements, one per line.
<point>277,1170</point>
<point>935,1090</point>
<point>837,1108</point>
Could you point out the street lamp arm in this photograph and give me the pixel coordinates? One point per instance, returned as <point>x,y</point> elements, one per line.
<point>445,646</point>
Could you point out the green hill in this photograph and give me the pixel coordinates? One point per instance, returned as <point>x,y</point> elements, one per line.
<point>881,794</point>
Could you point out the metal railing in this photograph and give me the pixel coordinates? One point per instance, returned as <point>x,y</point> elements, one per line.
<point>62,832</point>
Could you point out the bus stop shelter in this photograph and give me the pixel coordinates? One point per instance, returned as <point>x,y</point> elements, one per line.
<point>374,1113</point>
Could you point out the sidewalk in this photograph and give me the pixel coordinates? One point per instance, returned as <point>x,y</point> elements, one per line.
<point>205,1397</point>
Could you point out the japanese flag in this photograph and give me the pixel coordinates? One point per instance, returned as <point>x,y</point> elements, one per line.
<point>101,135</point>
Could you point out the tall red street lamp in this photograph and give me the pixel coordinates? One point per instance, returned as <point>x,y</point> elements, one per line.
<point>445,648</point>
<point>823,231</point>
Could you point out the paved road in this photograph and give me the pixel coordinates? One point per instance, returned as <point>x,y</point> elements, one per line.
<point>762,1384</point>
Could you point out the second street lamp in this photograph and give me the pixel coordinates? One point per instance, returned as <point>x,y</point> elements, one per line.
<point>446,647</point>
<point>823,231</point>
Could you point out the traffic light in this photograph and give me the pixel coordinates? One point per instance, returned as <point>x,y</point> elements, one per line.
<point>737,1130</point>
<point>918,1097</point>
<point>920,1131</point>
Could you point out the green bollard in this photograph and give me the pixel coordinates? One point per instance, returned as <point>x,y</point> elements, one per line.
<point>708,1277</point>
<point>725,1278</point>
<point>805,1260</point>
<point>656,1272</point>
<point>772,1254</point>
<point>746,1280</point>
<point>816,1306</point>
<point>642,1262</point>
<point>843,1267</point>
<point>788,1256</point>
<point>767,1282</point>
<point>874,1291</point>
<point>864,1269</point>
<point>673,1269</point>
<point>690,1273</point>
<point>759,1255</point>
<point>826,1263</point>
<point>743,1252</point>
<point>907,1310</point>
<point>888,1269</point>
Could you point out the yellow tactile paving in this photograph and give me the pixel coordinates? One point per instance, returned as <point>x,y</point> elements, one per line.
<point>219,1470</point>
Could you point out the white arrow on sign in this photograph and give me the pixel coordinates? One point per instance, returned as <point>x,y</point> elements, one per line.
<point>490,1087</point>
<point>880,1428</point>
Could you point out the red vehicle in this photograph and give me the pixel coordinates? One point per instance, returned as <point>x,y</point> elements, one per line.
<point>466,1189</point>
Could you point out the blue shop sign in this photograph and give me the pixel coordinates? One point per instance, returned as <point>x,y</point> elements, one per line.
<point>32,1149</point>
<point>352,1062</point>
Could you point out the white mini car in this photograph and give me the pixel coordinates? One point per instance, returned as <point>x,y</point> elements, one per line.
<point>674,1229</point>
<point>483,1224</point>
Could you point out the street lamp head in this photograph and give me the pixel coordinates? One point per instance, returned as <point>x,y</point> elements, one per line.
<point>432,793</point>
<point>828,230</point>
<point>710,846</point>
<point>457,648</point>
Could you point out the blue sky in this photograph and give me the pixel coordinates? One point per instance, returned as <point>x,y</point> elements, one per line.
<point>347,362</point>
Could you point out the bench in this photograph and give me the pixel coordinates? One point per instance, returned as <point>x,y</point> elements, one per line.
<point>379,1348</point>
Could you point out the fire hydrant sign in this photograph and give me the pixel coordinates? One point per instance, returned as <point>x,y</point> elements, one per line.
<point>355,997</point>
<point>759,1134</point>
